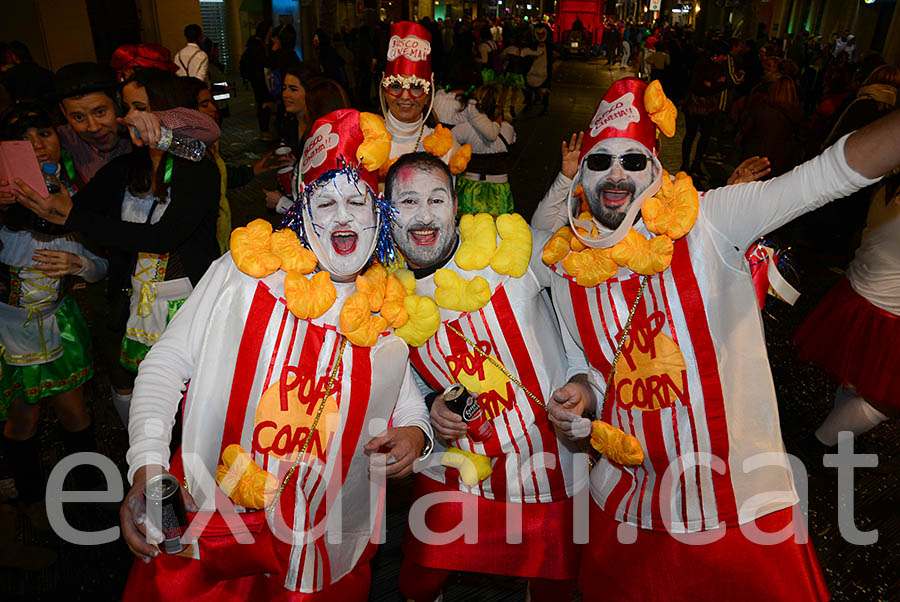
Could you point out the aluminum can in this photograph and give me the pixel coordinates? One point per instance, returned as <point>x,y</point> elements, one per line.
<point>459,400</point>
<point>163,495</point>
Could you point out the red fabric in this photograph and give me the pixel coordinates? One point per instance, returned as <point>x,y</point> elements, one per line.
<point>546,549</point>
<point>758,260</point>
<point>856,343</point>
<point>708,369</point>
<point>176,578</point>
<point>335,136</point>
<point>169,577</point>
<point>659,567</point>
<point>131,56</point>
<point>621,114</point>
<point>409,50</point>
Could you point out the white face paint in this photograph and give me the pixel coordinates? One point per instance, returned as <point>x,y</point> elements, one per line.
<point>425,225</point>
<point>344,226</point>
<point>612,191</point>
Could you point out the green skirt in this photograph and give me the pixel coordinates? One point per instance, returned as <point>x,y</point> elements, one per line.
<point>512,80</point>
<point>133,352</point>
<point>69,371</point>
<point>483,197</point>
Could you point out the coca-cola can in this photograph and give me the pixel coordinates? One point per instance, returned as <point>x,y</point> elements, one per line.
<point>459,400</point>
<point>166,508</point>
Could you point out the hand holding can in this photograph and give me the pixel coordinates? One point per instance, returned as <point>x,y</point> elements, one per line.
<point>458,399</point>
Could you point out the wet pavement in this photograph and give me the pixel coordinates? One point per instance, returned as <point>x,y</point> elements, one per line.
<point>853,573</point>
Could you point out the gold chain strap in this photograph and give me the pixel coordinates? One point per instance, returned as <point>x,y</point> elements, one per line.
<point>271,507</point>
<point>421,131</point>
<point>498,364</point>
<point>626,332</point>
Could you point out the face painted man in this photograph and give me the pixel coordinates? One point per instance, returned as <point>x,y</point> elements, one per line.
<point>652,275</point>
<point>533,473</point>
<point>282,362</point>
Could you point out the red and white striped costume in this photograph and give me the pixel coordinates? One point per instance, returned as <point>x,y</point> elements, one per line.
<point>518,328</point>
<point>234,340</point>
<point>714,417</point>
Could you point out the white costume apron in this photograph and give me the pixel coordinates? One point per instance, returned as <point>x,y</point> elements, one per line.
<point>258,359</point>
<point>518,329</point>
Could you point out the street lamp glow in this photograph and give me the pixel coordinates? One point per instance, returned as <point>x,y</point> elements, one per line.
<point>697,9</point>
<point>528,6</point>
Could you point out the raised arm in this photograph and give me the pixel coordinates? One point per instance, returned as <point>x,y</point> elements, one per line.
<point>744,212</point>
<point>874,150</point>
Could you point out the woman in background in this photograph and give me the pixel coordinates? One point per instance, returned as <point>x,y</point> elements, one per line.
<point>47,342</point>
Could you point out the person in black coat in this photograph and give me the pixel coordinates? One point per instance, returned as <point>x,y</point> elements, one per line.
<point>156,216</point>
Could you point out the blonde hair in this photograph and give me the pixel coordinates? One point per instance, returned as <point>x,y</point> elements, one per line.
<point>885,74</point>
<point>488,98</point>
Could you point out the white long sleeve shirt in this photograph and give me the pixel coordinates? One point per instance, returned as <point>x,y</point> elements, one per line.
<point>694,383</point>
<point>874,272</point>
<point>192,61</point>
<point>257,377</point>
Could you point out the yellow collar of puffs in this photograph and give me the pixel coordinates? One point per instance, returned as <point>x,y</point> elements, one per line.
<point>380,300</point>
<point>670,215</point>
<point>478,249</point>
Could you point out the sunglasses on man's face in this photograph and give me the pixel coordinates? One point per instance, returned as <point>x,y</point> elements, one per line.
<point>629,161</point>
<point>396,90</point>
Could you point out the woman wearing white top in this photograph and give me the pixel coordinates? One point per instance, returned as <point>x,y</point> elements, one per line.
<point>854,332</point>
<point>484,187</point>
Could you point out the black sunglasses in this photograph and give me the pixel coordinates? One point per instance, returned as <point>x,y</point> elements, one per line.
<point>629,162</point>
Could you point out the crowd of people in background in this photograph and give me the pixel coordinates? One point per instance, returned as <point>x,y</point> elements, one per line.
<point>152,224</point>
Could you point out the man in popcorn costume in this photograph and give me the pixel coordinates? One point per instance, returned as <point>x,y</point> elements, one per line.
<point>407,89</point>
<point>492,331</point>
<point>645,261</point>
<point>289,348</point>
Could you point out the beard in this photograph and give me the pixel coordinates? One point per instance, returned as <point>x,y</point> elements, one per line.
<point>610,217</point>
<point>427,255</point>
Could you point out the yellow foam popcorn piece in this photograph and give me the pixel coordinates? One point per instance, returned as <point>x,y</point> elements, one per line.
<point>558,246</point>
<point>373,282</point>
<point>376,146</point>
<point>407,279</point>
<point>358,324</point>
<point>473,468</point>
<point>439,142</point>
<point>590,267</point>
<point>662,110</point>
<point>460,159</point>
<point>294,256</point>
<point>243,480</point>
<point>393,309</point>
<point>478,241</point>
<point>458,294</point>
<point>618,446</point>
<point>424,320</point>
<point>250,249</point>
<point>309,297</point>
<point>514,251</point>
<point>636,253</point>
<point>673,210</point>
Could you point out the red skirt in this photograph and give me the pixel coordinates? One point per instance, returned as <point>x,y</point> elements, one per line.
<point>856,343</point>
<point>546,551</point>
<point>659,567</point>
<point>175,578</point>
<point>169,577</point>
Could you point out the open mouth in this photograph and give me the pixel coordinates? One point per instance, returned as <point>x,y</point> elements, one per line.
<point>344,242</point>
<point>103,139</point>
<point>424,236</point>
<point>614,198</point>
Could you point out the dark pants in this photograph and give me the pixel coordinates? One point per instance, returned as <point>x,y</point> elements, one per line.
<point>261,96</point>
<point>695,123</point>
<point>535,91</point>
